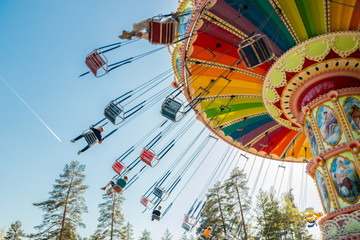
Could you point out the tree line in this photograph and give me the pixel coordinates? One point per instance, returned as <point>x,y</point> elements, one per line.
<point>226,202</point>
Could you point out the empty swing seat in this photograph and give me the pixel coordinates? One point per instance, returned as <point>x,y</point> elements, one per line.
<point>163,32</point>
<point>149,157</point>
<point>90,137</point>
<point>186,226</point>
<point>171,109</point>
<point>119,167</point>
<point>146,202</point>
<point>96,61</point>
<point>114,113</point>
<point>160,193</point>
<point>190,220</point>
<point>255,51</point>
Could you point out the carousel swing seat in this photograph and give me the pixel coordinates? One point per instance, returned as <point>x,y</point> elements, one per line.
<point>156,217</point>
<point>187,226</point>
<point>171,109</point>
<point>114,112</point>
<point>90,137</point>
<point>163,32</point>
<point>146,202</point>
<point>119,167</point>
<point>192,221</point>
<point>97,61</point>
<point>149,157</point>
<point>116,187</point>
<point>255,51</point>
<point>160,193</point>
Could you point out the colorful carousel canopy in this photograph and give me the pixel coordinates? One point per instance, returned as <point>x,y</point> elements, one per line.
<point>258,109</point>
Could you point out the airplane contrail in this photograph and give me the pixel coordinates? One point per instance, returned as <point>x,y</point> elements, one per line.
<point>23,101</point>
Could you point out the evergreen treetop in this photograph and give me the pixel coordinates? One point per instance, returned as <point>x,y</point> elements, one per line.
<point>15,232</point>
<point>65,205</point>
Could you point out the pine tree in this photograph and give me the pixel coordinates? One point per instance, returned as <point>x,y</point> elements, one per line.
<point>216,211</point>
<point>111,220</point>
<point>167,235</point>
<point>237,192</point>
<point>145,235</point>
<point>292,224</point>
<point>222,204</point>
<point>268,214</point>
<point>129,231</point>
<point>65,205</point>
<point>183,237</point>
<point>14,232</point>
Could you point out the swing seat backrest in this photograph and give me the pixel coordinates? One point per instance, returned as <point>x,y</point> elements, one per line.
<point>160,193</point>
<point>118,189</point>
<point>255,51</point>
<point>186,226</point>
<point>163,32</point>
<point>190,220</point>
<point>114,112</point>
<point>95,61</point>
<point>149,157</point>
<point>146,202</point>
<point>170,109</point>
<point>90,137</point>
<point>156,217</point>
<point>118,167</point>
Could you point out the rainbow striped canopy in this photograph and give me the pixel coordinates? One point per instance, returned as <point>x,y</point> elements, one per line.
<point>244,106</point>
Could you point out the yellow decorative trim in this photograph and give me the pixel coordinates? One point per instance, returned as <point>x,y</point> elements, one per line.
<point>240,119</point>
<point>342,53</point>
<point>298,80</point>
<point>223,67</point>
<point>300,51</point>
<point>301,54</point>
<point>285,20</point>
<point>322,56</point>
<point>206,98</point>
<point>327,15</point>
<point>175,56</point>
<point>316,133</point>
<point>342,120</point>
<point>224,25</point>
<point>332,230</point>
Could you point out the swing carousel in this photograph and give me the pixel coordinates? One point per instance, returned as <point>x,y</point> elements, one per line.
<point>281,79</point>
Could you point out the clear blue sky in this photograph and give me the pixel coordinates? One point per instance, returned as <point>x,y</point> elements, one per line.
<point>43,46</point>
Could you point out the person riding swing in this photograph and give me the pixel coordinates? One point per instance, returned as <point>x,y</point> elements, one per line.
<point>96,131</point>
<point>206,234</point>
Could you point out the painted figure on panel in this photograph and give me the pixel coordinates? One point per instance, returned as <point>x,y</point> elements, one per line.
<point>328,125</point>
<point>346,179</point>
<point>352,111</point>
<point>311,138</point>
<point>323,191</point>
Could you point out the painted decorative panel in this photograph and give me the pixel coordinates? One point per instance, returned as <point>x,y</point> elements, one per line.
<point>328,125</point>
<point>311,138</point>
<point>352,111</point>
<point>346,179</point>
<point>323,191</point>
